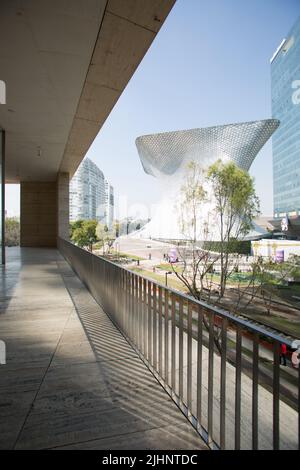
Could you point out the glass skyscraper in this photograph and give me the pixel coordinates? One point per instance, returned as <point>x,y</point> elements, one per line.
<point>285,76</point>
<point>91,197</point>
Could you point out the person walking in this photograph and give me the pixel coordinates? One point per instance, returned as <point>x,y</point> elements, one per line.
<point>283,353</point>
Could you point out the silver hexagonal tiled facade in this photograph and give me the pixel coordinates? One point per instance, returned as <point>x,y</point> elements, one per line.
<point>165,153</point>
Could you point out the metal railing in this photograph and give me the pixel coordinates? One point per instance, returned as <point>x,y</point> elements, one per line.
<point>222,371</point>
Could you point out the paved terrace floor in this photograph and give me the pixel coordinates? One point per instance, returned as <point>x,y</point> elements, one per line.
<point>71,380</point>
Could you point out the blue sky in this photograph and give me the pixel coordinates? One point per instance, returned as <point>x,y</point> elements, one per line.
<point>209,65</point>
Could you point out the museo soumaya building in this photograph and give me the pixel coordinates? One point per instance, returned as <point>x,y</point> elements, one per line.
<point>166,155</point>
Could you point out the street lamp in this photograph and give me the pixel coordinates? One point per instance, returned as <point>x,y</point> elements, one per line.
<point>168,272</point>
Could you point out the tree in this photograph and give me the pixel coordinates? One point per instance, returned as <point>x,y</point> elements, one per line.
<point>117,227</point>
<point>74,225</point>
<point>12,231</point>
<point>273,274</point>
<point>85,234</point>
<point>235,206</point>
<point>196,263</point>
<point>289,269</point>
<point>224,197</point>
<point>259,282</point>
<point>105,236</point>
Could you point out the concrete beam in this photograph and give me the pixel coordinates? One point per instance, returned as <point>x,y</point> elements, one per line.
<point>126,33</point>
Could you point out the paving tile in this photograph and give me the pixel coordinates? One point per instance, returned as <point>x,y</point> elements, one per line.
<point>71,379</point>
<point>165,438</point>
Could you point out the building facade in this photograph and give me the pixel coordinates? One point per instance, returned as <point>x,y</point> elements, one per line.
<point>285,77</point>
<point>90,193</point>
<point>166,155</point>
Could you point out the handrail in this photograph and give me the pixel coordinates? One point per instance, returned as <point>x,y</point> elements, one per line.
<point>202,355</point>
<point>256,327</point>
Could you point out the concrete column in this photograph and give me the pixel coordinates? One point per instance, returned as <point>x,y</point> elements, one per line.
<point>38,214</point>
<point>63,205</point>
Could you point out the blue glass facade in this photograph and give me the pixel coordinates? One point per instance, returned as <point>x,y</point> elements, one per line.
<point>285,76</point>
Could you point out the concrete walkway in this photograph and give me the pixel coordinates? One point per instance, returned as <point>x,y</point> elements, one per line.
<point>71,381</point>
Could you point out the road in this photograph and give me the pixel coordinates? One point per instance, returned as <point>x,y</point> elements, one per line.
<point>143,247</point>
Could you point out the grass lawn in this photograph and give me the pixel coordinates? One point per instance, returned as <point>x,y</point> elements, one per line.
<point>288,292</point>
<point>235,279</point>
<point>173,283</point>
<point>126,255</point>
<point>168,267</point>
<point>280,323</point>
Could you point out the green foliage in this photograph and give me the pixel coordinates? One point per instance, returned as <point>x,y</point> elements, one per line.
<point>241,247</point>
<point>74,226</point>
<point>236,201</point>
<point>236,205</point>
<point>105,236</point>
<point>12,231</point>
<point>85,233</point>
<point>283,272</point>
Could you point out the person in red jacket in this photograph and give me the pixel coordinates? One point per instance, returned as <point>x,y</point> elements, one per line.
<point>283,353</point>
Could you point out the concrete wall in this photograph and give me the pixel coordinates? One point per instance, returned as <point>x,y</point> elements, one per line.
<point>63,205</point>
<point>38,214</point>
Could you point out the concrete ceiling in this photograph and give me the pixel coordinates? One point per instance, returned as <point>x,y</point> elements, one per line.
<point>65,64</point>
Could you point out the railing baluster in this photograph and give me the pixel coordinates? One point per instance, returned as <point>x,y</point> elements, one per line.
<point>223,384</point>
<point>299,407</point>
<point>276,385</point>
<point>189,356</point>
<point>166,312</point>
<point>132,309</point>
<point>199,364</point>
<point>173,346</point>
<point>129,311</point>
<point>136,285</point>
<point>133,297</point>
<point>180,349</point>
<point>127,317</point>
<point>238,367</point>
<point>154,333</point>
<point>145,325</point>
<point>160,361</point>
<point>210,378</point>
<point>150,322</point>
<point>141,314</point>
<point>137,290</point>
<point>255,366</point>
